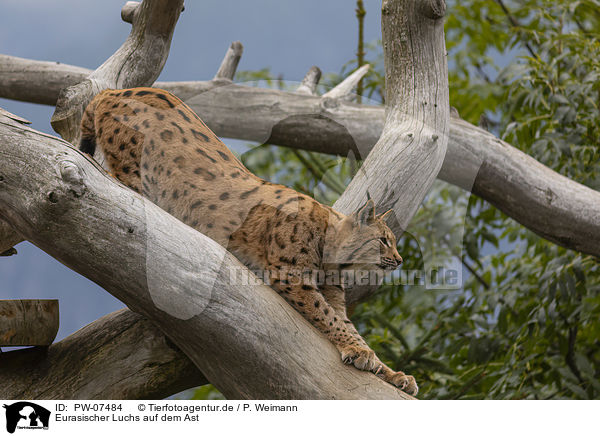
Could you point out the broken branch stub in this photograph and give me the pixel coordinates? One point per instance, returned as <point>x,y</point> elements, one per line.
<point>344,89</point>
<point>230,62</point>
<point>310,82</point>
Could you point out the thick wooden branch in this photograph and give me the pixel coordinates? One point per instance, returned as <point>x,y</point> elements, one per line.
<point>138,62</point>
<point>553,206</point>
<point>37,81</point>
<point>409,154</point>
<point>475,160</point>
<point>120,356</point>
<point>245,338</point>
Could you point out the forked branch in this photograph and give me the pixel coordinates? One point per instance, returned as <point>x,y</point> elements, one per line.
<point>138,62</point>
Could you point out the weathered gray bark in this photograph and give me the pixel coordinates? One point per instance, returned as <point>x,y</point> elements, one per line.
<point>557,208</point>
<point>343,91</point>
<point>407,158</point>
<point>138,62</point>
<point>119,356</point>
<point>553,206</point>
<point>37,81</point>
<point>409,154</point>
<point>8,236</point>
<point>246,340</point>
<point>230,62</point>
<point>28,322</point>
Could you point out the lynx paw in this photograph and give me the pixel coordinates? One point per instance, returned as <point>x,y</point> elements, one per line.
<point>404,382</point>
<point>361,357</point>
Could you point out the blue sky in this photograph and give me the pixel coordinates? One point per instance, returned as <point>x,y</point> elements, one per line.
<point>287,36</point>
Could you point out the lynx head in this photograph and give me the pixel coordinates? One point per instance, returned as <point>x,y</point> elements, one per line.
<point>362,240</point>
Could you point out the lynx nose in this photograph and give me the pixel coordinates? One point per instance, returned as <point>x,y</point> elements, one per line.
<point>398,259</point>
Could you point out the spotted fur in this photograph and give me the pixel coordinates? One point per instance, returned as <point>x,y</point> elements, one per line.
<point>156,145</point>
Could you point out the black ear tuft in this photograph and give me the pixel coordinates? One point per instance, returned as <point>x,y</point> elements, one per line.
<point>366,214</point>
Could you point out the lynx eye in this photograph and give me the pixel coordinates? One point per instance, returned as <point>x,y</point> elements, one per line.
<point>385,242</point>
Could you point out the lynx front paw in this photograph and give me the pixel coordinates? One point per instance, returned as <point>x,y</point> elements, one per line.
<point>405,382</point>
<point>361,357</point>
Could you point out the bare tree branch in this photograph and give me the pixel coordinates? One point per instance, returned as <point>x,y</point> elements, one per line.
<point>230,62</point>
<point>18,76</point>
<point>310,82</point>
<point>555,207</point>
<point>344,89</point>
<point>409,154</point>
<point>120,356</point>
<point>407,158</point>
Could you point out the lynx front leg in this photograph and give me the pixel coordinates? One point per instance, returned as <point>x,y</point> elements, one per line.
<point>301,294</point>
<point>335,296</point>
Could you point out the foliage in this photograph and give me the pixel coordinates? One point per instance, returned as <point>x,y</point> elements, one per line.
<point>525,324</point>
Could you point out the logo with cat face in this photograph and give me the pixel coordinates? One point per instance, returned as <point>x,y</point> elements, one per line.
<point>26,415</point>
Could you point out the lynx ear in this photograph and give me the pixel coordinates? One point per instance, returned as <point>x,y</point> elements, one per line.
<point>366,213</point>
<point>382,216</point>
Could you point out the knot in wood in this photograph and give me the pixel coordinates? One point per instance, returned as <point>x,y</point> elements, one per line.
<point>128,11</point>
<point>71,175</point>
<point>329,103</point>
<point>434,9</point>
<point>385,7</point>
